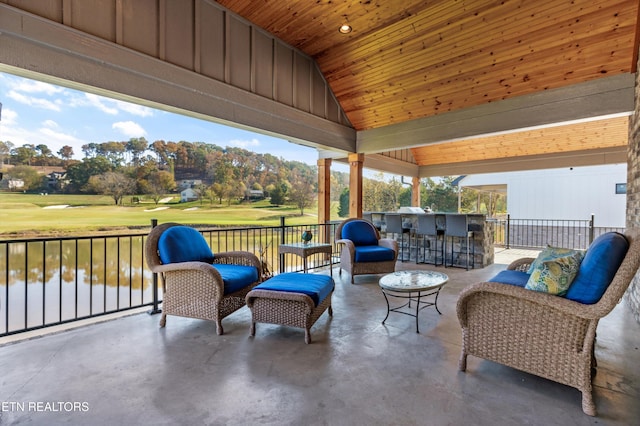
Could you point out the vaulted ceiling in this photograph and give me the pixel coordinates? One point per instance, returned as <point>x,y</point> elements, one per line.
<point>414,59</point>
<point>422,87</point>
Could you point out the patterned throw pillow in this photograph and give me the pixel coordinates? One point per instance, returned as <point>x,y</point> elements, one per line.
<point>555,276</point>
<point>552,253</point>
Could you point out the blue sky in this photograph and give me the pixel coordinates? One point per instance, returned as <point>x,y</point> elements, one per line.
<point>41,113</point>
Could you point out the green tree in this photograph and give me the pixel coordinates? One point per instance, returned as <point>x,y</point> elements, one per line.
<point>5,151</point>
<point>343,207</point>
<point>158,184</point>
<point>116,185</point>
<point>302,193</point>
<point>24,154</point>
<point>79,173</point>
<point>278,195</point>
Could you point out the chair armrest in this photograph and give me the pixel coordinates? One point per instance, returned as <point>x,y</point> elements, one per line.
<point>185,275</point>
<point>521,264</point>
<point>388,243</point>
<point>348,252</point>
<point>523,303</point>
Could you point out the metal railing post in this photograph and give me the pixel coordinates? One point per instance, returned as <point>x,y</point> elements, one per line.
<point>155,309</point>
<point>506,231</point>
<point>282,241</point>
<point>591,228</point>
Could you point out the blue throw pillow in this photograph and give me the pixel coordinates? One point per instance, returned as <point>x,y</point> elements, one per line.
<point>360,232</point>
<point>183,244</point>
<point>599,266</point>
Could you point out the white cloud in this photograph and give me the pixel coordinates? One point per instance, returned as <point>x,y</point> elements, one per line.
<point>129,128</point>
<point>58,136</point>
<point>245,144</point>
<point>139,110</point>
<point>32,86</point>
<point>99,103</point>
<point>50,124</point>
<point>33,101</point>
<point>8,117</point>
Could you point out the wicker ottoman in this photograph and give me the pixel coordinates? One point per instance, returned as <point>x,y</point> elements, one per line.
<point>292,299</point>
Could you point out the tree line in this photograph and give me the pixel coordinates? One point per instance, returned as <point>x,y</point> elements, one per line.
<point>226,174</point>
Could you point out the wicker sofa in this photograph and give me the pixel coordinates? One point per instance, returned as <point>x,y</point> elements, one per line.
<point>539,333</point>
<point>197,283</point>
<point>363,251</point>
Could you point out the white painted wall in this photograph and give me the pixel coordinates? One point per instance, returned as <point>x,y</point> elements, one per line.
<point>567,193</point>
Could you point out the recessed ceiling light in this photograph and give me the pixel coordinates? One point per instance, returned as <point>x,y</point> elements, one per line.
<point>345,29</point>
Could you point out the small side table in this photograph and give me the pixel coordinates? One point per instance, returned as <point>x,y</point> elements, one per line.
<point>305,250</point>
<point>421,283</point>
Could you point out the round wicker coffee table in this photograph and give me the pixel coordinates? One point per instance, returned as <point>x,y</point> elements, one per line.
<point>412,286</point>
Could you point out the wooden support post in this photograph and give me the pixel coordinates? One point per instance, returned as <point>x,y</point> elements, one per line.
<point>415,191</point>
<point>356,162</point>
<point>324,197</point>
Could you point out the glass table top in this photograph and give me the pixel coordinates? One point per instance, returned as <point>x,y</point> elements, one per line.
<point>413,281</point>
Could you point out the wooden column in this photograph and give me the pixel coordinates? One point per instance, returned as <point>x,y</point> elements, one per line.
<point>324,195</point>
<point>415,191</point>
<point>356,162</point>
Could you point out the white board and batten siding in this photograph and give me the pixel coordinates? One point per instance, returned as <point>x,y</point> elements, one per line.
<point>567,193</point>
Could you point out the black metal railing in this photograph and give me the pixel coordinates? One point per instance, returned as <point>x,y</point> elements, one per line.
<point>53,281</point>
<point>537,233</point>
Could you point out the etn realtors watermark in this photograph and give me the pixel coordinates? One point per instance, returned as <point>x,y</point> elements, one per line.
<point>44,406</point>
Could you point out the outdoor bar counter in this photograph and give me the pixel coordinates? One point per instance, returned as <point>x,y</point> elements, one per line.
<point>482,235</point>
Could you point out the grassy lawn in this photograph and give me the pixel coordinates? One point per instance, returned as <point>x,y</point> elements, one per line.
<point>39,215</point>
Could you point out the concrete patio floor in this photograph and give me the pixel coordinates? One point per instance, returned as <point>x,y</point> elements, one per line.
<point>127,371</point>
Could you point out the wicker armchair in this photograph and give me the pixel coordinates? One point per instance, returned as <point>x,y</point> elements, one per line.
<point>542,334</point>
<point>365,243</point>
<point>196,289</point>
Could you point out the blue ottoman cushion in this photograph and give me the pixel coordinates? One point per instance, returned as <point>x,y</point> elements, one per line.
<point>236,277</point>
<point>373,254</point>
<point>517,278</point>
<point>318,287</point>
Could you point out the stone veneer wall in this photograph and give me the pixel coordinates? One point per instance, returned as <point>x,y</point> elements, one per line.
<point>633,192</point>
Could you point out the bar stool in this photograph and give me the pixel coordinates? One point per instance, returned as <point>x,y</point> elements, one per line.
<point>394,225</point>
<point>427,231</point>
<point>458,228</point>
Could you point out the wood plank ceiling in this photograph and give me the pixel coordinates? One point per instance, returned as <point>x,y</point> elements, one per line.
<point>411,59</point>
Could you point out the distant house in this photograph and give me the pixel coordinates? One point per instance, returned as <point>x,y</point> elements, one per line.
<point>57,180</point>
<point>255,194</point>
<point>570,193</point>
<point>13,184</point>
<point>188,183</point>
<point>187,195</point>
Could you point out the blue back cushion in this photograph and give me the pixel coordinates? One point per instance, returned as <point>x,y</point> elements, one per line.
<point>236,277</point>
<point>518,278</point>
<point>360,232</point>
<point>183,244</point>
<point>599,266</point>
<point>318,287</point>
<point>373,254</point>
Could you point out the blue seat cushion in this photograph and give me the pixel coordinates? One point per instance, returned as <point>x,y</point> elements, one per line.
<point>236,277</point>
<point>518,278</point>
<point>318,287</point>
<point>599,266</point>
<point>183,244</point>
<point>361,233</point>
<point>373,254</point>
